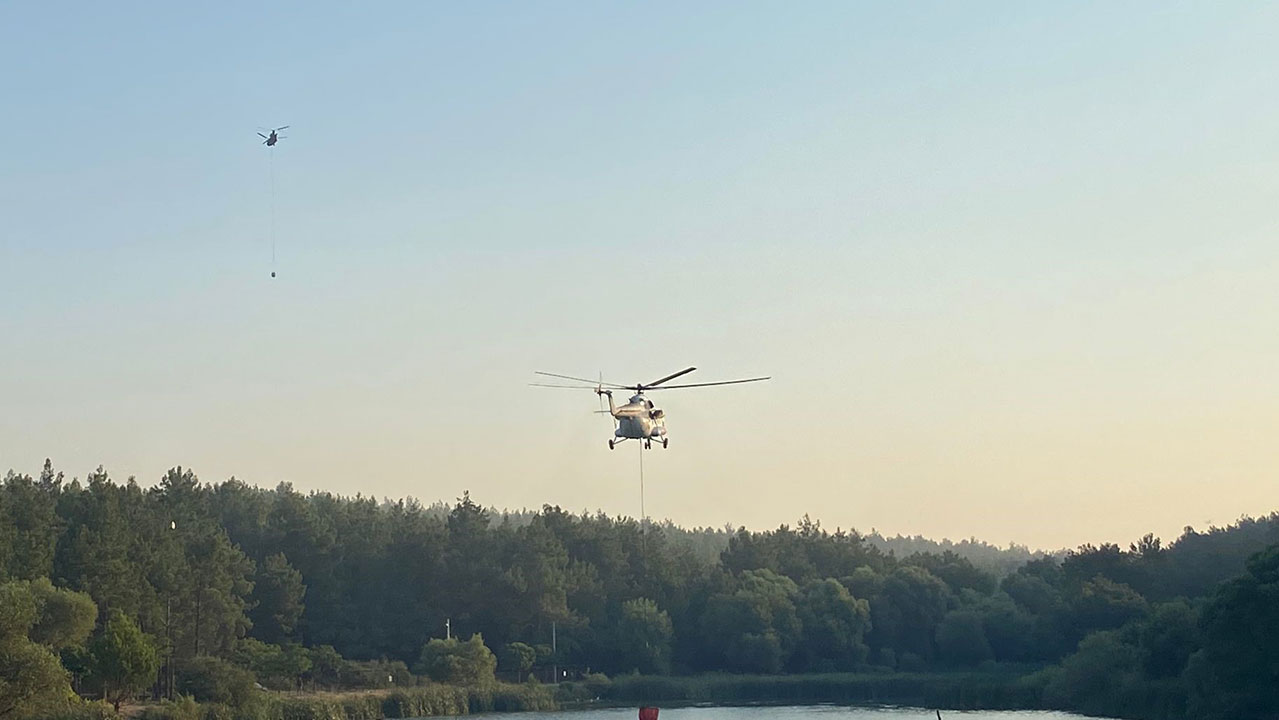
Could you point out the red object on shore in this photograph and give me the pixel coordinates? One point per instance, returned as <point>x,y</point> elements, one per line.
<point>648,713</point>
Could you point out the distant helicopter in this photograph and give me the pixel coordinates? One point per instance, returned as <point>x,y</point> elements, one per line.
<point>638,419</point>
<point>273,138</point>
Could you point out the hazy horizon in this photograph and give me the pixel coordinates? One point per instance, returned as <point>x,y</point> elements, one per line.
<point>1012,268</point>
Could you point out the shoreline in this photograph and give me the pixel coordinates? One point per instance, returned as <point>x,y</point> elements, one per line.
<point>1001,689</point>
<point>997,689</point>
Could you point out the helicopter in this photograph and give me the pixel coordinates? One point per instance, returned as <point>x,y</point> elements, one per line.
<point>273,138</point>
<point>638,419</point>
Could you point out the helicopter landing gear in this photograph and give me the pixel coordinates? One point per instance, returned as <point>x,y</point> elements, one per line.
<point>664,442</point>
<point>648,444</point>
<point>611,444</point>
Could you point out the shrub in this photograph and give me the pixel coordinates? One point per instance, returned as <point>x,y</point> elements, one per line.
<point>463,663</point>
<point>184,708</point>
<point>374,674</point>
<point>518,658</point>
<point>213,680</point>
<point>79,709</point>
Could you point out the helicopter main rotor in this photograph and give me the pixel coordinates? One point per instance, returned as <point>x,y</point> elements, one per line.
<point>639,388</point>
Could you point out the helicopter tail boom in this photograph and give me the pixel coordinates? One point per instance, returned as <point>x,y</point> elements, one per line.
<point>612,408</point>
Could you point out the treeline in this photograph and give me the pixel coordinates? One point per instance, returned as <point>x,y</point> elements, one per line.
<point>225,577</point>
<point>708,543</point>
<point>991,558</point>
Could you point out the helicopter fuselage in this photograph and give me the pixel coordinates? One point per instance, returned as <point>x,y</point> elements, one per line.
<point>638,419</point>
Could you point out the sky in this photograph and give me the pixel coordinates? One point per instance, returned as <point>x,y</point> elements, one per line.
<point>1012,267</point>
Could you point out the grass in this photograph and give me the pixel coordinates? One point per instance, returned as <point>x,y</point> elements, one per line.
<point>424,701</point>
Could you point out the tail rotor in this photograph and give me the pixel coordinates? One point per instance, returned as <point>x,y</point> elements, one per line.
<point>600,392</point>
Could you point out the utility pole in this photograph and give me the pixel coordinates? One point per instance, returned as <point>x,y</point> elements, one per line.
<point>555,655</point>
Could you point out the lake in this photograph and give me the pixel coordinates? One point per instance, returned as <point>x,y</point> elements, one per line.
<point>793,712</point>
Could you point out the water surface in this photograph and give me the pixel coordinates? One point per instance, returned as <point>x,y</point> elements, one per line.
<point>794,712</point>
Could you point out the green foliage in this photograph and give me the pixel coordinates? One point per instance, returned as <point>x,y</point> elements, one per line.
<point>77,709</point>
<point>1168,638</point>
<point>66,618</point>
<point>460,663</point>
<point>214,595</point>
<point>834,624</point>
<point>278,668</point>
<point>326,666</point>
<point>429,701</point>
<point>1136,671</point>
<point>183,708</point>
<point>754,628</point>
<point>1238,674</point>
<point>210,679</point>
<point>241,573</point>
<point>957,572</point>
<point>864,582</point>
<point>373,674</point>
<point>805,553</point>
<point>278,592</point>
<point>28,524</point>
<point>644,637</point>
<point>1103,604</point>
<point>1011,632</point>
<point>17,610</point>
<point>991,559</point>
<point>961,639</point>
<point>1032,593</point>
<point>123,660</point>
<point>1099,679</point>
<point>31,677</point>
<point>518,658</point>
<point>100,548</point>
<point>906,611</point>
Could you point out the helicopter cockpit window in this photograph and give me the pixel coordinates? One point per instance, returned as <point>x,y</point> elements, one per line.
<point>648,404</point>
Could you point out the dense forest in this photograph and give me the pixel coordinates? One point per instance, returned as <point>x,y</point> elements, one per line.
<point>708,543</point>
<point>124,591</point>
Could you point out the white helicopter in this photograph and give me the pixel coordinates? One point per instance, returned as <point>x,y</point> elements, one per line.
<point>638,419</point>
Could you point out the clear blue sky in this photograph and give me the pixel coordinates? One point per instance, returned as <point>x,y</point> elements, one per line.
<point>1013,266</point>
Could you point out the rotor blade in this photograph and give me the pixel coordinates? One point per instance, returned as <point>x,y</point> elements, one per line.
<point>685,371</point>
<point>725,382</point>
<point>567,387</point>
<point>592,383</point>
<point>262,136</point>
<point>282,127</point>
